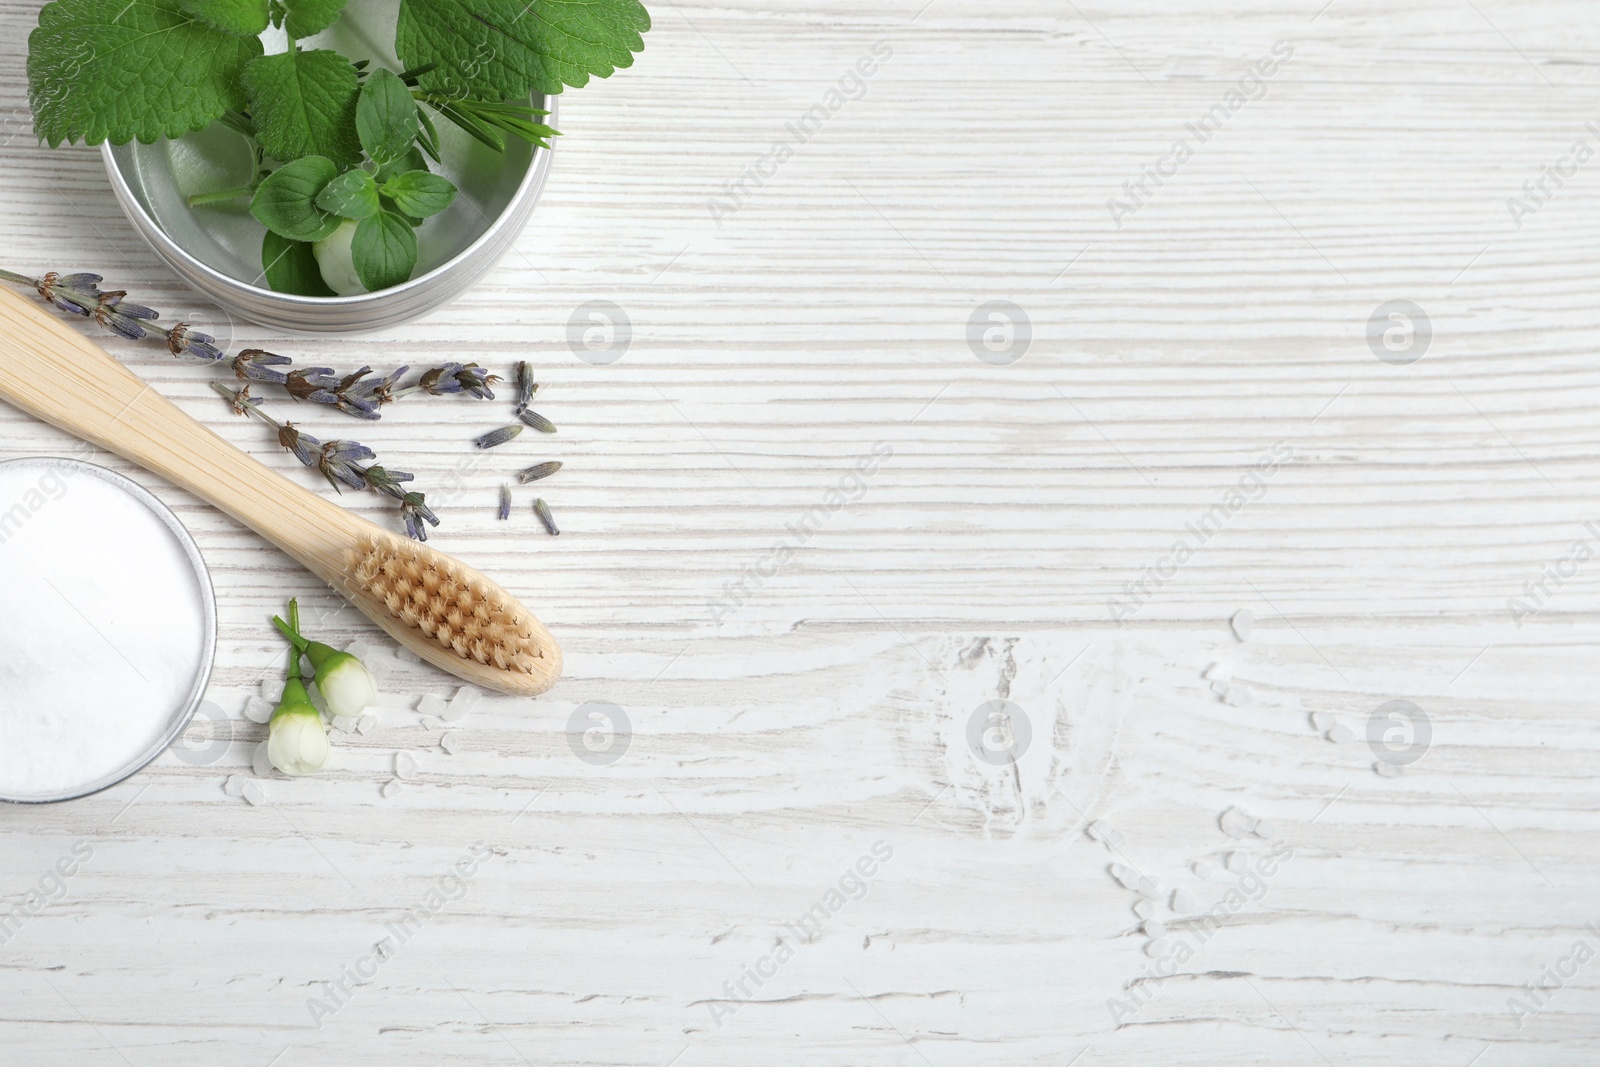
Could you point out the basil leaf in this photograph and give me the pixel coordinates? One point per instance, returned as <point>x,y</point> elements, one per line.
<point>386,117</point>
<point>286,200</point>
<point>291,267</point>
<point>420,194</point>
<point>304,104</point>
<point>352,195</point>
<point>384,250</point>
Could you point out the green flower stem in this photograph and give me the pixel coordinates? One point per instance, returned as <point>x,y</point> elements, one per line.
<point>15,279</point>
<point>221,195</point>
<point>291,630</point>
<point>295,695</point>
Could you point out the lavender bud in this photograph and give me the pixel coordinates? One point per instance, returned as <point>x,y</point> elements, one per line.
<point>299,443</point>
<point>182,340</point>
<point>496,438</point>
<point>526,386</point>
<point>537,421</point>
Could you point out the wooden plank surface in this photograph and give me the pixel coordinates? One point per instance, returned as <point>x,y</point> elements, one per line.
<point>1420,536</point>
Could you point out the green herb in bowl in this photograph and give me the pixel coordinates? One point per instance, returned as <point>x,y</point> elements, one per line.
<point>342,147</point>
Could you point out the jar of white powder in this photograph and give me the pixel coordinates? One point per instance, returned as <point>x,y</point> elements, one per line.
<point>107,629</point>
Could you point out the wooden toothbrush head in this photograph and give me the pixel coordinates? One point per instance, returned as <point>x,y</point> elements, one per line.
<point>450,615</point>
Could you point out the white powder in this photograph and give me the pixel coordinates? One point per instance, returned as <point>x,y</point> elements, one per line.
<point>103,635</point>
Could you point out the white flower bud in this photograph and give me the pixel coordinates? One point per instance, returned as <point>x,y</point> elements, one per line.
<point>297,742</point>
<point>347,686</point>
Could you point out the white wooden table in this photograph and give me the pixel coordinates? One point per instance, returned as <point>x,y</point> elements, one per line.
<point>1015,541</point>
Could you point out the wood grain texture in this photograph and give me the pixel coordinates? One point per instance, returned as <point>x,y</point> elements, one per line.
<point>786,718</point>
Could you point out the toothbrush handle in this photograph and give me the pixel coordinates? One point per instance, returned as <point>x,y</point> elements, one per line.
<point>53,372</point>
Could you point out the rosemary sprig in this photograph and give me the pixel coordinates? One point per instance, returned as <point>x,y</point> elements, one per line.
<point>342,463</point>
<point>354,394</point>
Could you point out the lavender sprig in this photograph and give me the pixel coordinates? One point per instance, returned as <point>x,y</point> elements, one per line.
<point>342,463</point>
<point>354,394</point>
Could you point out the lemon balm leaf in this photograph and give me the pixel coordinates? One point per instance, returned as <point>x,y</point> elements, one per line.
<point>103,70</point>
<point>385,250</point>
<point>245,17</point>
<point>306,18</point>
<point>304,104</point>
<point>503,49</point>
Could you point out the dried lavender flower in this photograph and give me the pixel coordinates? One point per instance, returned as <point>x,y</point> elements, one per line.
<point>541,509</point>
<point>505,502</point>
<point>184,340</point>
<point>526,386</point>
<point>496,438</point>
<point>537,421</point>
<point>457,378</point>
<point>303,445</point>
<point>374,391</point>
<point>340,463</point>
<point>311,383</point>
<point>477,381</point>
<point>117,315</point>
<point>351,397</point>
<point>538,471</point>
<point>76,294</point>
<point>241,401</point>
<point>387,482</point>
<point>256,365</point>
<point>357,395</point>
<point>415,511</point>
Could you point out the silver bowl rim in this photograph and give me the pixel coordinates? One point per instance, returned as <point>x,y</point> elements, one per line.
<point>208,602</point>
<point>531,185</point>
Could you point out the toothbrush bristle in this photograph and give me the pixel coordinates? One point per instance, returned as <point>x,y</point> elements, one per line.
<point>449,603</point>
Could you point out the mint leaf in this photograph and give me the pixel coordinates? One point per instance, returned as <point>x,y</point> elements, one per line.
<point>386,117</point>
<point>352,195</point>
<point>103,70</point>
<point>291,267</point>
<point>244,17</point>
<point>384,250</point>
<point>304,104</point>
<point>412,160</point>
<point>306,18</point>
<point>420,194</point>
<point>502,49</point>
<point>286,201</point>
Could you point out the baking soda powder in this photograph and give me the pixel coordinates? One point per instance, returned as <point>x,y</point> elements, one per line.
<point>106,629</point>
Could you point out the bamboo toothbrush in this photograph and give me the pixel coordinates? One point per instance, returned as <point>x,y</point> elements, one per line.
<point>449,614</point>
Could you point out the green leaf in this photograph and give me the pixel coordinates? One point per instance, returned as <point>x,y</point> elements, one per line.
<point>385,250</point>
<point>291,267</point>
<point>244,17</point>
<point>304,104</point>
<point>386,117</point>
<point>420,194</point>
<point>352,195</point>
<point>412,160</point>
<point>102,70</point>
<point>286,202</point>
<point>506,48</point>
<point>306,18</point>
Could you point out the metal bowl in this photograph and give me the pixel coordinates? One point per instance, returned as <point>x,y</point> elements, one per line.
<point>217,248</point>
<point>183,710</point>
